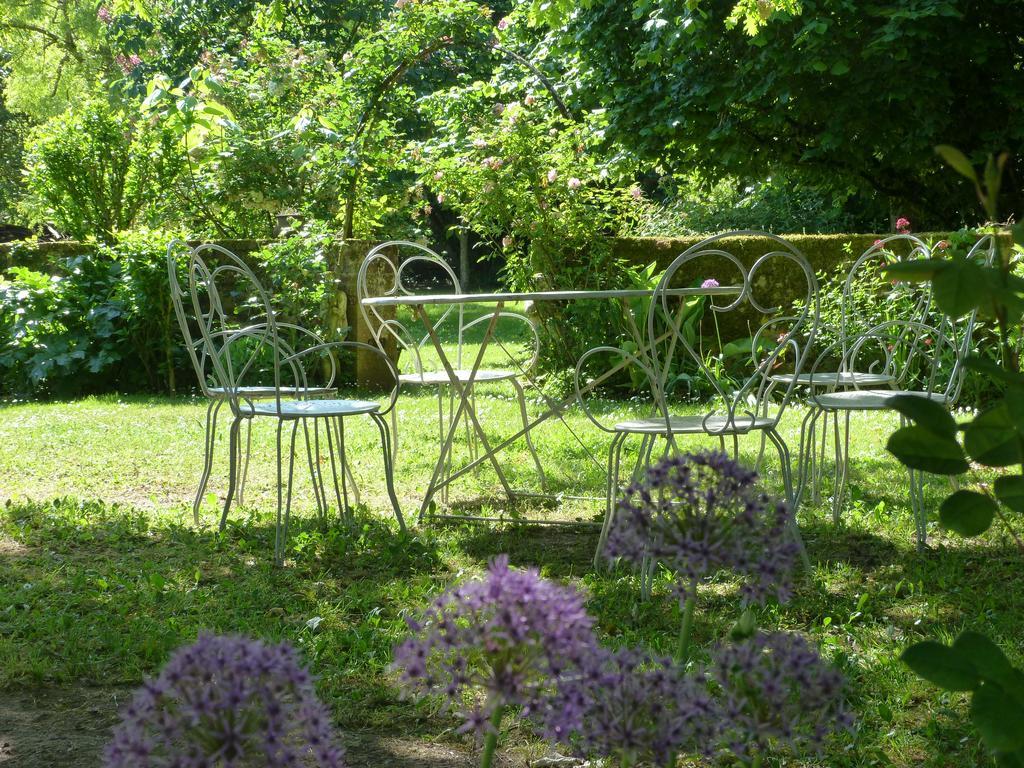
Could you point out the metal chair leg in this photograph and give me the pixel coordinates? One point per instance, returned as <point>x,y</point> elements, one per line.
<point>346,474</point>
<point>342,506</point>
<point>610,496</point>
<point>389,478</point>
<point>521,395</point>
<point>208,444</point>
<point>232,472</point>
<point>808,446</point>
<point>314,469</point>
<point>245,461</point>
<point>787,480</point>
<point>842,464</point>
<point>281,539</point>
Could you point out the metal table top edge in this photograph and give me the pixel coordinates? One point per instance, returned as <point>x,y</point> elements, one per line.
<point>495,298</point>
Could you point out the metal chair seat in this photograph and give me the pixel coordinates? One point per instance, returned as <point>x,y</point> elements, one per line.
<point>301,409</point>
<point>438,378</point>
<point>252,392</point>
<point>870,399</point>
<point>834,379</point>
<point>694,425</point>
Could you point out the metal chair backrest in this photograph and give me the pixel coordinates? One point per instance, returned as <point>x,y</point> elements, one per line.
<point>867,291</point>
<point>923,351</point>
<point>782,336</point>
<point>230,329</point>
<point>404,268</point>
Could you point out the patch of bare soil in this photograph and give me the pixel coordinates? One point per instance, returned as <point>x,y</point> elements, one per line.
<point>67,727</point>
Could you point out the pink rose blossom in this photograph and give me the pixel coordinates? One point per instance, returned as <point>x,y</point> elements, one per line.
<point>504,24</point>
<point>575,183</point>
<point>128,64</point>
<point>552,175</point>
<point>507,242</point>
<point>635,192</point>
<point>438,175</point>
<point>104,15</point>
<point>903,225</point>
<point>877,243</point>
<point>942,245</point>
<point>440,197</point>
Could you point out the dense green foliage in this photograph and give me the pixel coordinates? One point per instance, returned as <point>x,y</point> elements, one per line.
<point>103,320</point>
<point>95,171</point>
<point>844,95</point>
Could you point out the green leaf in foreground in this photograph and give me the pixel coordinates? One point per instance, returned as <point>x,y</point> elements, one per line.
<point>1010,491</point>
<point>992,438</point>
<point>960,287</point>
<point>920,448</point>
<point>941,665</point>
<point>999,718</point>
<point>925,412</point>
<point>969,513</point>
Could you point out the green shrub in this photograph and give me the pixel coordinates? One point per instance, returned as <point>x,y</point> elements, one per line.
<point>93,171</point>
<point>104,323</point>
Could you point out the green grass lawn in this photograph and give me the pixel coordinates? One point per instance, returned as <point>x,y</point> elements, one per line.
<point>102,572</point>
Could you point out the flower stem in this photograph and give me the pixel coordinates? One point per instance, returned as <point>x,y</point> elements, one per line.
<point>491,740</point>
<point>683,651</point>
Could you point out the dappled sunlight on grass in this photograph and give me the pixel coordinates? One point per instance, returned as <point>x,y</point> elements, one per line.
<point>104,574</point>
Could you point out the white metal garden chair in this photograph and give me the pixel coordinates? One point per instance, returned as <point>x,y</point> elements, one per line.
<point>235,354</point>
<point>178,252</point>
<point>921,357</point>
<point>867,293</point>
<point>738,403</point>
<point>403,268</point>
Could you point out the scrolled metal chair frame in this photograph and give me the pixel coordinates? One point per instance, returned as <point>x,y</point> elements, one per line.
<point>382,328</point>
<point>294,402</point>
<point>738,409</point>
<point>896,360</point>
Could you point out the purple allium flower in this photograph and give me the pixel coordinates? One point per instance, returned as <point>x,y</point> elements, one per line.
<point>709,283</point>
<point>776,691</point>
<point>644,709</point>
<point>512,636</point>
<point>702,513</point>
<point>226,701</point>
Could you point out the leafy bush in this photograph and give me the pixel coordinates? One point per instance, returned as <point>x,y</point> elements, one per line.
<point>94,171</point>
<point>105,323</point>
<point>777,203</point>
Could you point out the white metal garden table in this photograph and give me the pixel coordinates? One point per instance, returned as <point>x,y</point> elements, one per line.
<point>462,385</point>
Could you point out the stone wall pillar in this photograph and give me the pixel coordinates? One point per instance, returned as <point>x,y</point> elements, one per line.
<point>345,318</point>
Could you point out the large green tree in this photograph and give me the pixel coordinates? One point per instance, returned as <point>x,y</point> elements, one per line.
<point>841,92</point>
